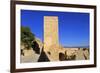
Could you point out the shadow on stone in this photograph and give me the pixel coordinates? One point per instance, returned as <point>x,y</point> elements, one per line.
<point>43,57</point>
<point>36,47</point>
<point>61,56</point>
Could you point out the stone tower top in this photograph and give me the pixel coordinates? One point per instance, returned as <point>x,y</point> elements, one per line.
<point>50,31</point>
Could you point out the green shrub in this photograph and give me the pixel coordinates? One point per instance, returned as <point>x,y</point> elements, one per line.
<point>27,37</point>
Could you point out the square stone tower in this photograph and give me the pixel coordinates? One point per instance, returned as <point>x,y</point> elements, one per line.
<point>50,31</point>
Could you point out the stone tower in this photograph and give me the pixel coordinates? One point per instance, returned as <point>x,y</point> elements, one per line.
<point>51,43</point>
<point>50,31</point>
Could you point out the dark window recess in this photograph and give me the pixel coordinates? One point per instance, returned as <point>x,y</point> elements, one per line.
<point>49,53</point>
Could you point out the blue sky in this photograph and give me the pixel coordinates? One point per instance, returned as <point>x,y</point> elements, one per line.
<point>73,26</point>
